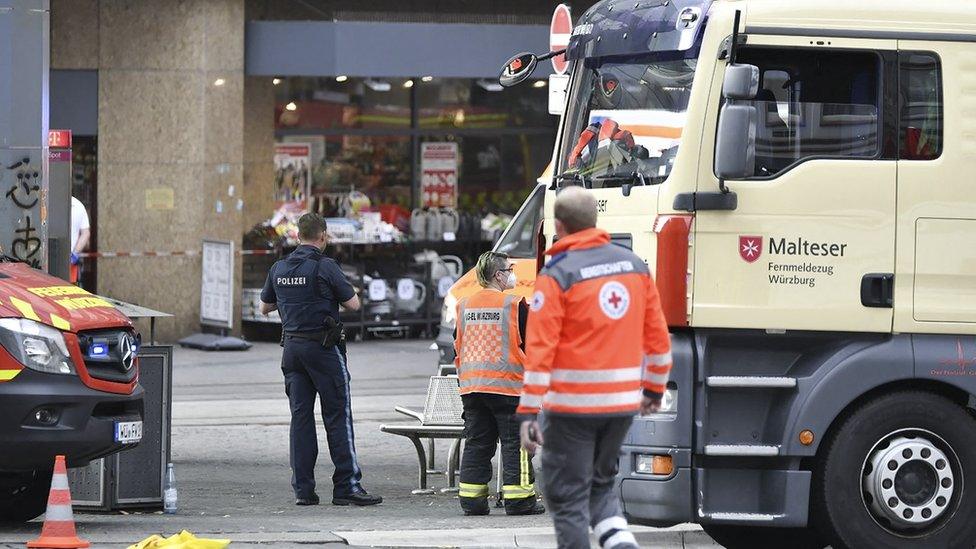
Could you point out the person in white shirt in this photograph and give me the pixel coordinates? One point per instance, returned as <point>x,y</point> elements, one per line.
<point>80,236</point>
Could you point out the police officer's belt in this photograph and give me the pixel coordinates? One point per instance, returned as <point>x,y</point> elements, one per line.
<point>313,336</point>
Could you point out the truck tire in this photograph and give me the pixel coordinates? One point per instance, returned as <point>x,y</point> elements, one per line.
<point>893,475</point>
<point>752,537</point>
<point>23,496</point>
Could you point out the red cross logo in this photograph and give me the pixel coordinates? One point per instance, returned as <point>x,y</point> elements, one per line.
<point>614,300</point>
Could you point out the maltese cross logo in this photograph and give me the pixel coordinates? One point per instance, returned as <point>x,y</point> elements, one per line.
<point>750,248</point>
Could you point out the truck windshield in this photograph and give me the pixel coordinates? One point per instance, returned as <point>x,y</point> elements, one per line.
<point>626,120</point>
<point>521,240</point>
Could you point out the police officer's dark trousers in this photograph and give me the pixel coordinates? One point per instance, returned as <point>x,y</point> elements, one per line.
<point>312,369</point>
<point>489,418</point>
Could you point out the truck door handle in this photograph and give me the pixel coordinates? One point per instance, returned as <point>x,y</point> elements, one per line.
<point>878,290</point>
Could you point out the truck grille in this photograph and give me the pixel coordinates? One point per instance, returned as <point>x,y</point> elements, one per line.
<point>108,356</point>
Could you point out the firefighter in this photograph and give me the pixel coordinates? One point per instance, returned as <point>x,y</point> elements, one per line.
<point>490,355</point>
<point>598,351</point>
<point>307,288</point>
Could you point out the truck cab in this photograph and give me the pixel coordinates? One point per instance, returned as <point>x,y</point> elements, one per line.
<point>69,384</point>
<point>795,175</point>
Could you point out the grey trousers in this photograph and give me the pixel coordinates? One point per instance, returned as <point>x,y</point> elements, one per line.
<point>579,465</point>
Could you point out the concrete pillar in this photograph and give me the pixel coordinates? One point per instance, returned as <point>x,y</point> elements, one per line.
<point>171,142</point>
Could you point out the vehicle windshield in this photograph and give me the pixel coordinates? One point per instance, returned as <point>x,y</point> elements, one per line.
<point>521,240</point>
<point>626,121</point>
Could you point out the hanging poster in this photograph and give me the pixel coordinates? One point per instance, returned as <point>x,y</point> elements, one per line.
<point>292,174</point>
<point>438,175</point>
<point>217,284</point>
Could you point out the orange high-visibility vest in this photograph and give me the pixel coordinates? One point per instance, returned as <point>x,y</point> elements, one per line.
<point>488,344</point>
<point>597,338</point>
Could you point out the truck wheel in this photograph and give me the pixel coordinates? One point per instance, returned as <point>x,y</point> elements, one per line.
<point>23,496</point>
<point>893,475</point>
<point>752,537</point>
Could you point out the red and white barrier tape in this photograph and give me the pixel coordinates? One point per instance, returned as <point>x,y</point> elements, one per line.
<point>166,254</point>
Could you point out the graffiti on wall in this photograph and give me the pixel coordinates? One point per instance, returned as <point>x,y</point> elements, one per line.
<point>23,183</point>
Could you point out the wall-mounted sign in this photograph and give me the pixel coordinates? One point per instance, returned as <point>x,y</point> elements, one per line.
<point>438,175</point>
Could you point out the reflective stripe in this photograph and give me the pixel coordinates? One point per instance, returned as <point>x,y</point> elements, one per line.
<point>60,323</point>
<point>466,490</point>
<point>592,399</point>
<point>349,432</point>
<point>518,492</point>
<point>656,379</point>
<point>623,537</point>
<point>491,382</point>
<point>607,524</point>
<point>7,375</point>
<point>524,468</point>
<point>530,401</point>
<point>597,376</point>
<point>537,378</point>
<point>58,513</point>
<point>59,482</point>
<point>658,360</point>
<point>25,308</point>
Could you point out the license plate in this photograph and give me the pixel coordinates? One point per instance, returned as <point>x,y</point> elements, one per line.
<point>128,432</point>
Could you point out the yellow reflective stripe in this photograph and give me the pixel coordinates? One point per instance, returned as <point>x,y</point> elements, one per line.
<point>524,467</point>
<point>466,490</point>
<point>60,323</point>
<point>7,375</point>
<point>25,308</point>
<point>518,492</point>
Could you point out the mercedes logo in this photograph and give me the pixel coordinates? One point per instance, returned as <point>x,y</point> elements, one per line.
<point>127,353</point>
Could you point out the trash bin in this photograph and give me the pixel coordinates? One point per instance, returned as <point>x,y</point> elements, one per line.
<point>134,478</point>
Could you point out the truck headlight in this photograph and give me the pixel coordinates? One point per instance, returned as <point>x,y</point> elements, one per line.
<point>35,345</point>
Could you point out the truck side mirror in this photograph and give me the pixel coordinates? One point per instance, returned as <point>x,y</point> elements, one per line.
<point>741,82</point>
<point>558,84</point>
<point>518,69</point>
<point>735,146</point>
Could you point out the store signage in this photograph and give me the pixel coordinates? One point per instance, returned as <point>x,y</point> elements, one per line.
<point>438,175</point>
<point>559,31</point>
<point>60,139</point>
<point>292,173</point>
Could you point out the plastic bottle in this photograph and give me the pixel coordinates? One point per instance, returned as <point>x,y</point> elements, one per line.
<point>169,491</point>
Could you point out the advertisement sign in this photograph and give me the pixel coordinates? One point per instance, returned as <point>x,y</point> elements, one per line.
<point>292,173</point>
<point>438,175</point>
<point>217,284</point>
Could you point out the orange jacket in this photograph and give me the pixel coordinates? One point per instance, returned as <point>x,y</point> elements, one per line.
<point>596,334</point>
<point>489,356</point>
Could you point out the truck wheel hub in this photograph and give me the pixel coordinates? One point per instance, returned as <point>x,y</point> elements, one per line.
<point>908,481</point>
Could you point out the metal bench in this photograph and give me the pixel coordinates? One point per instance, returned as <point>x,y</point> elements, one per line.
<point>440,419</point>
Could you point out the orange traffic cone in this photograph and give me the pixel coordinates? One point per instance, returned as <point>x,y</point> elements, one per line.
<point>59,521</point>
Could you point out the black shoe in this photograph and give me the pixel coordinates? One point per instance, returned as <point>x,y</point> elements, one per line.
<point>360,498</point>
<point>475,510</point>
<point>312,500</point>
<point>536,509</point>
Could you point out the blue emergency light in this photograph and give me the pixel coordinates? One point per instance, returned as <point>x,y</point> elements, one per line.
<point>98,350</point>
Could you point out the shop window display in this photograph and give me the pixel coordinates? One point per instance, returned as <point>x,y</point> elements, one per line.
<point>417,177</point>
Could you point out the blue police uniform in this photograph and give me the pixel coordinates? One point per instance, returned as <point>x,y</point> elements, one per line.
<point>307,288</point>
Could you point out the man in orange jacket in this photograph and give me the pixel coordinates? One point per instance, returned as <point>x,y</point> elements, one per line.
<point>490,362</point>
<point>597,353</point>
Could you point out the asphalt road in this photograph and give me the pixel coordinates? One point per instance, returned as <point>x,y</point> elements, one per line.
<point>230,449</point>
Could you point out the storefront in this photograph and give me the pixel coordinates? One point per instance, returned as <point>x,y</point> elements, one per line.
<point>417,172</point>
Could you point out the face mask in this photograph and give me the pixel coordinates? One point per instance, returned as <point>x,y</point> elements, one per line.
<point>512,280</point>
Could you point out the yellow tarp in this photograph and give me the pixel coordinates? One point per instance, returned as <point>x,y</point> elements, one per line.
<point>183,540</point>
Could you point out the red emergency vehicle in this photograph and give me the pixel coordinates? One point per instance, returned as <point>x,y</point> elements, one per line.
<point>68,383</point>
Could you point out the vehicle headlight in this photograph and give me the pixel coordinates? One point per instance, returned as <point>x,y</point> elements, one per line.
<point>449,311</point>
<point>35,345</point>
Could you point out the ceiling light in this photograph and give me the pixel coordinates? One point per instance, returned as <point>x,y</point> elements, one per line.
<point>426,78</point>
<point>276,81</point>
<point>341,78</point>
<point>539,84</point>
<point>490,85</point>
<point>377,85</point>
<point>219,82</point>
<point>291,106</point>
<point>408,84</point>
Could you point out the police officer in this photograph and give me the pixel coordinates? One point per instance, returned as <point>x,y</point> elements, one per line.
<point>490,355</point>
<point>598,352</point>
<point>307,288</point>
